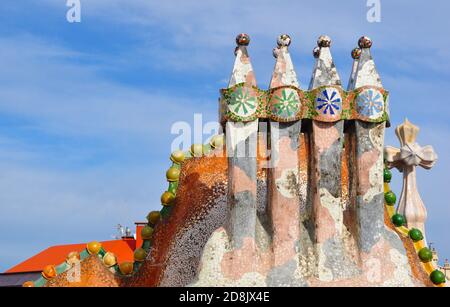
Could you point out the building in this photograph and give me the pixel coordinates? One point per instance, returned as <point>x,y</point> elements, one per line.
<point>31,269</point>
<point>294,193</point>
<point>445,268</point>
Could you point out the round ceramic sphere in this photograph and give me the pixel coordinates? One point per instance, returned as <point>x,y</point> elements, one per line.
<point>390,198</point>
<point>197,150</point>
<point>437,277</point>
<point>93,247</point>
<point>365,42</point>
<point>387,175</point>
<point>167,198</point>
<point>126,268</point>
<point>356,53</point>
<point>177,156</point>
<point>147,232</point>
<point>316,52</point>
<point>415,234</point>
<point>217,141</point>
<point>140,254</point>
<point>242,39</point>
<point>398,220</point>
<point>275,52</point>
<point>283,40</point>
<point>109,259</point>
<point>49,272</point>
<point>28,284</point>
<point>173,174</point>
<point>425,254</point>
<point>324,41</point>
<point>153,217</point>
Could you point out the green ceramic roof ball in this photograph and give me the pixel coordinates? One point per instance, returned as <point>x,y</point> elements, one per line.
<point>197,150</point>
<point>147,232</point>
<point>437,277</point>
<point>153,217</point>
<point>177,156</point>
<point>398,220</point>
<point>415,234</point>
<point>167,198</point>
<point>173,174</point>
<point>140,254</point>
<point>217,141</point>
<point>425,254</point>
<point>390,198</point>
<point>387,175</point>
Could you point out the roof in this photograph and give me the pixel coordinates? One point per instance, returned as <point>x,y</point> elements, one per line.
<point>17,279</point>
<point>122,248</point>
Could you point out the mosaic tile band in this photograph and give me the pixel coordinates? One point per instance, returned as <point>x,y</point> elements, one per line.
<point>242,103</point>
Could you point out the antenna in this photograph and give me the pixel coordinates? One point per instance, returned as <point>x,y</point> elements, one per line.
<point>120,232</point>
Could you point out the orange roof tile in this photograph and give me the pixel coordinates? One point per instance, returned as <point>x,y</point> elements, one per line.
<point>123,249</point>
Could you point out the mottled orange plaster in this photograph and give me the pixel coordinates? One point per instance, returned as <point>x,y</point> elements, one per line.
<point>286,231</point>
<point>247,259</point>
<point>324,135</point>
<point>284,211</point>
<point>287,157</point>
<point>245,59</point>
<point>92,273</point>
<point>198,178</point>
<point>377,268</point>
<point>365,163</point>
<point>324,223</point>
<point>250,78</point>
<point>280,69</point>
<point>377,264</point>
<point>241,182</point>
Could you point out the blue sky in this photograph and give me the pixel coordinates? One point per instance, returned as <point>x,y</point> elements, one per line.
<point>86,108</point>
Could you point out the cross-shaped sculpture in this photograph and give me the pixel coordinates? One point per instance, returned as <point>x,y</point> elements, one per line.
<point>405,159</point>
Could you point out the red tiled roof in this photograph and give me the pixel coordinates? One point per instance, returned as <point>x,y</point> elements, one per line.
<point>55,255</point>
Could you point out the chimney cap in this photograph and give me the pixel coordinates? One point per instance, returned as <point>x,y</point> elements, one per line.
<point>356,53</point>
<point>365,42</point>
<point>324,41</point>
<point>316,52</point>
<point>243,39</point>
<point>283,40</point>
